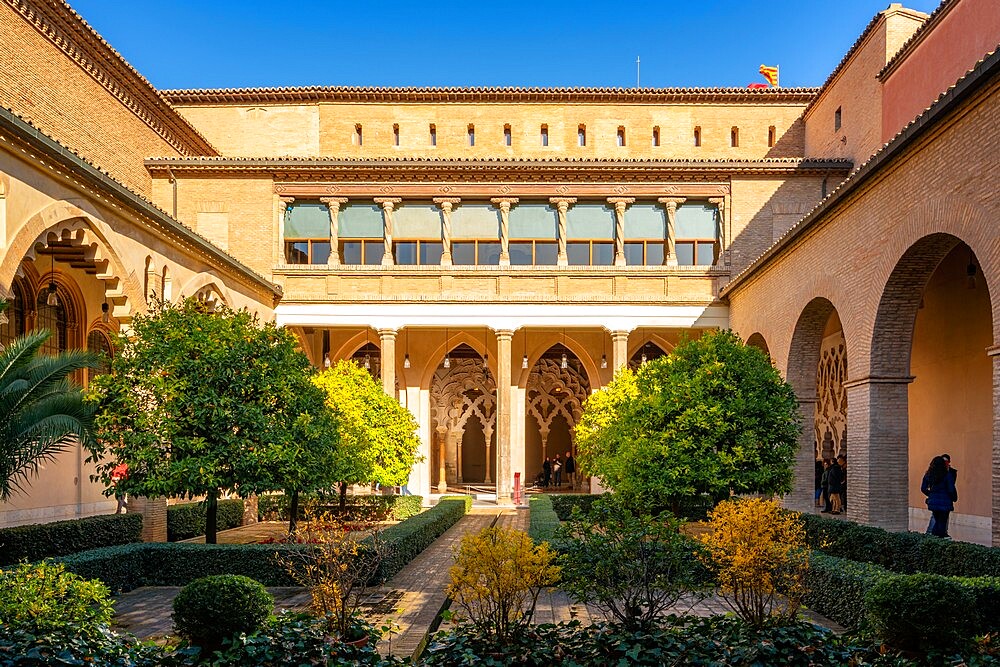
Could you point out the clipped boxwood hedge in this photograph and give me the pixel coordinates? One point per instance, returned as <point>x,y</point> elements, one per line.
<point>543,519</point>
<point>45,540</point>
<point>123,568</point>
<point>187,520</point>
<point>694,508</point>
<point>397,508</point>
<point>906,553</point>
<point>563,503</point>
<point>837,589</point>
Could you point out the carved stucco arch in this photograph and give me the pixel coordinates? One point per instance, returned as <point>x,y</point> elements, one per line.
<point>454,339</point>
<point>207,280</point>
<point>535,353</point>
<point>461,392</point>
<point>553,391</point>
<point>80,221</point>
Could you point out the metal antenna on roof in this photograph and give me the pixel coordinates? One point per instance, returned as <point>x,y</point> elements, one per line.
<point>637,71</point>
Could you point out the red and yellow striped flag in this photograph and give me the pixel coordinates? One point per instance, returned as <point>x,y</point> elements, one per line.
<point>771,74</point>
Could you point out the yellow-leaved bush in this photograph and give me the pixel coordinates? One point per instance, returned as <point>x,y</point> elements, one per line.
<point>759,555</point>
<point>496,579</point>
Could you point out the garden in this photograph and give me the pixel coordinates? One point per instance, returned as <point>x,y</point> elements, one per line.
<point>695,448</point>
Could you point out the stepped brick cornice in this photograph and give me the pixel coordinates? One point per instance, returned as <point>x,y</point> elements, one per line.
<point>308,94</point>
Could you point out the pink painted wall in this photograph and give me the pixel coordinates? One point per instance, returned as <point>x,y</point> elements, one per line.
<point>967,32</point>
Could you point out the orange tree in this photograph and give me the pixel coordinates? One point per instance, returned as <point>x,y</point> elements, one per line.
<point>201,403</point>
<point>712,417</point>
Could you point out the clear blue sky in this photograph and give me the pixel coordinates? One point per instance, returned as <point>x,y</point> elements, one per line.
<point>239,43</point>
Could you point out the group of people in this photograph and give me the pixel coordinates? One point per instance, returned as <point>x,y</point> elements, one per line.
<point>938,484</point>
<point>553,469</point>
<point>831,485</point>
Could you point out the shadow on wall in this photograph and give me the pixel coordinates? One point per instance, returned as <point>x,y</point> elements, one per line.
<point>791,143</point>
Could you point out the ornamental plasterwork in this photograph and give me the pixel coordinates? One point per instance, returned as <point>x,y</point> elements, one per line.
<point>461,392</point>
<point>368,190</point>
<point>553,391</point>
<point>830,423</point>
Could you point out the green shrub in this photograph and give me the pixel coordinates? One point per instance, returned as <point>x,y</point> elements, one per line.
<point>187,520</point>
<point>905,553</point>
<point>920,611</point>
<point>542,519</point>
<point>836,587</point>
<point>985,592</point>
<point>563,503</point>
<point>45,540</point>
<point>42,597</point>
<point>214,608</point>
<point>378,507</point>
<point>75,644</point>
<point>126,567</point>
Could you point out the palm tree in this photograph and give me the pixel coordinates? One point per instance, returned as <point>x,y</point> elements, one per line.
<point>42,412</point>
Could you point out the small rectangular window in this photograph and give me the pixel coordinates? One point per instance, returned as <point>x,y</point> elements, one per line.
<point>734,137</point>
<point>395,134</point>
<point>837,118</point>
<point>357,139</point>
<point>656,136</point>
<point>581,136</point>
<point>771,134</point>
<point>621,136</point>
<point>434,135</point>
<point>697,136</point>
<point>506,135</point>
<point>545,135</point>
<point>472,135</point>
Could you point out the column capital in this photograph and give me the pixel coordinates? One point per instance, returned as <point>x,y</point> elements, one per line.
<point>387,333</point>
<point>504,202</point>
<point>333,202</point>
<point>388,203</point>
<point>878,379</point>
<point>447,201</point>
<point>505,334</point>
<point>621,200</point>
<point>562,203</point>
<point>671,202</point>
<point>620,333</point>
<point>718,201</point>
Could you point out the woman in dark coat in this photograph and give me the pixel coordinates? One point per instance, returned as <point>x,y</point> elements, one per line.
<point>939,487</point>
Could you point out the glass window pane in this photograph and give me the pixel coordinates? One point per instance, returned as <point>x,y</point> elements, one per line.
<point>374,250</point>
<point>297,252</point>
<point>706,254</point>
<point>578,253</point>
<point>546,253</point>
<point>418,220</point>
<point>430,252</point>
<point>603,254</point>
<point>489,253</point>
<point>475,221</point>
<point>645,221</point>
<point>633,254</point>
<point>320,252</point>
<point>685,254</point>
<point>654,254</point>
<point>360,220</point>
<point>590,221</point>
<point>533,221</point>
<point>350,252</point>
<point>405,252</point>
<point>463,253</point>
<point>520,253</point>
<point>696,221</point>
<point>307,221</point>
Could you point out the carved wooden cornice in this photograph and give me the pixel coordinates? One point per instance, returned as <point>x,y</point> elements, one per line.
<point>67,30</point>
<point>369,94</point>
<point>422,170</point>
<point>497,193</point>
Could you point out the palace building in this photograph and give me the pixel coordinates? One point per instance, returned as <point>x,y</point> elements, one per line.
<point>493,255</point>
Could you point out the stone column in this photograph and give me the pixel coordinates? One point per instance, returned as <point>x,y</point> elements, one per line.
<point>387,348</point>
<point>454,444</point>
<point>283,204</point>
<point>720,202</point>
<point>670,242</point>
<point>878,451</point>
<point>388,204</point>
<point>620,204</point>
<point>333,204</point>
<point>442,434</point>
<point>488,432</point>
<point>504,204</point>
<point>994,354</point>
<point>504,477</point>
<point>459,442</point>
<point>619,349</point>
<point>446,204</point>
<point>562,205</point>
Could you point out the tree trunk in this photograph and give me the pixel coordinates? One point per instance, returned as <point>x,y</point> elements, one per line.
<point>211,519</point>
<point>293,514</point>
<point>343,497</point>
